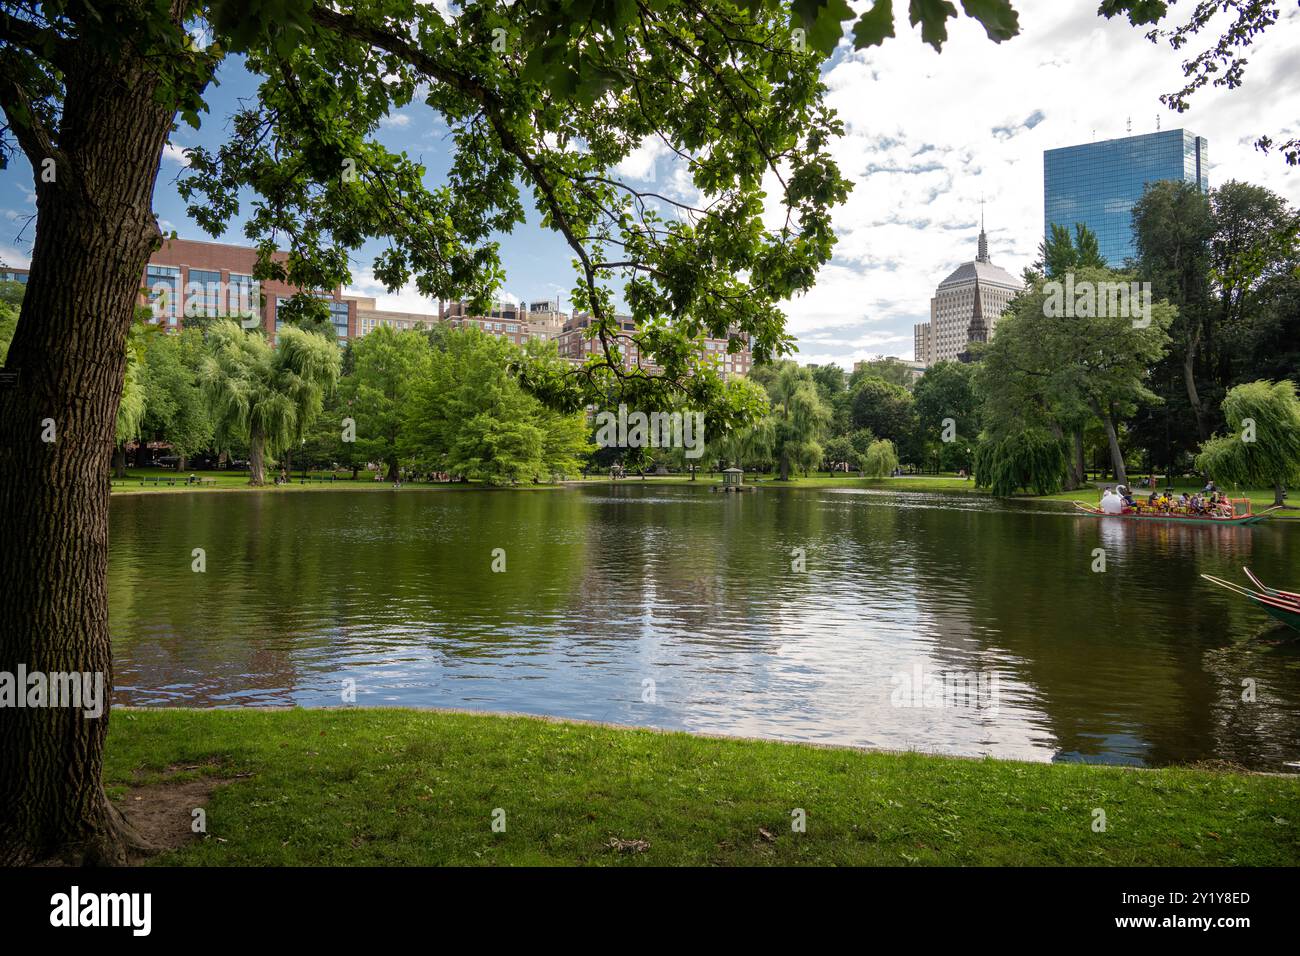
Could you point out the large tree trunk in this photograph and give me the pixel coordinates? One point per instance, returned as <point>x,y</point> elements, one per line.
<point>95,230</point>
<point>119,460</point>
<point>256,458</point>
<point>392,470</point>
<point>1189,379</point>
<point>1116,456</point>
<point>1080,464</point>
<point>1279,492</point>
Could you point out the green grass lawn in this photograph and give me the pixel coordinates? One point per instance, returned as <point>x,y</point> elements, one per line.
<point>386,786</point>
<point>238,481</point>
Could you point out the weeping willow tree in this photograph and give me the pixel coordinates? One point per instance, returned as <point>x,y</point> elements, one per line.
<point>799,419</point>
<point>1262,448</point>
<point>880,459</point>
<point>265,395</point>
<point>1032,459</point>
<point>130,413</point>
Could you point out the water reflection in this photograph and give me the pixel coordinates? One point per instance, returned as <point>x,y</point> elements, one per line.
<point>675,608</point>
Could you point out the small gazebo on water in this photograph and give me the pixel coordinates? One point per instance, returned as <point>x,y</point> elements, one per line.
<point>733,479</point>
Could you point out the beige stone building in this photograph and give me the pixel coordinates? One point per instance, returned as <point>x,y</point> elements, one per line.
<point>965,308</point>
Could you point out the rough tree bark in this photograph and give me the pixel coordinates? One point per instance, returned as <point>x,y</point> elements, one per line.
<point>1189,380</point>
<point>1079,466</point>
<point>95,230</point>
<point>1116,455</point>
<point>256,457</point>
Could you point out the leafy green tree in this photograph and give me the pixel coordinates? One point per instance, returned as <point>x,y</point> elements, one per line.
<point>266,395</point>
<point>176,409</point>
<point>1031,458</point>
<point>743,446</point>
<point>1059,253</point>
<point>1262,448</point>
<point>887,368</point>
<point>1172,227</point>
<point>387,367</point>
<point>947,411</point>
<point>880,460</point>
<point>831,382</point>
<point>1043,370</point>
<point>799,419</point>
<point>838,450</point>
<point>1232,264</point>
<point>1254,273</point>
<point>886,410</point>
<point>470,416</point>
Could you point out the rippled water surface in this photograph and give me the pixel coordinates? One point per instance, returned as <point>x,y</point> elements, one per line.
<point>673,607</point>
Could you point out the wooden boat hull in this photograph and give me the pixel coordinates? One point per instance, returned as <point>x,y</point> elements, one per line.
<point>1282,606</point>
<point>1263,588</point>
<point>1237,521</point>
<point>1288,616</point>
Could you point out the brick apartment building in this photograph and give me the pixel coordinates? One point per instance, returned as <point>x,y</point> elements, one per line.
<point>516,323</point>
<point>224,274</point>
<point>576,347</point>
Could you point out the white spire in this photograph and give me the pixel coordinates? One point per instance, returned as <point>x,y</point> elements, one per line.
<point>983,254</point>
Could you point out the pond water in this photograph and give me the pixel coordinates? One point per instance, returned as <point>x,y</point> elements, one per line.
<point>952,624</point>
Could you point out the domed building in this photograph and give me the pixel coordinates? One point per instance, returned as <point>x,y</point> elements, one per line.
<point>965,308</point>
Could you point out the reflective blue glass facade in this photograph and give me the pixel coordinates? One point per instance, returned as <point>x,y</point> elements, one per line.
<point>1098,183</point>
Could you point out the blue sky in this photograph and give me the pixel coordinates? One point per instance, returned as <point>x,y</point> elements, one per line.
<point>927,135</point>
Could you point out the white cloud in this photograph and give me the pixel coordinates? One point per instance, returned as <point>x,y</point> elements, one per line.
<point>175,154</point>
<point>640,163</point>
<point>15,258</point>
<point>405,299</point>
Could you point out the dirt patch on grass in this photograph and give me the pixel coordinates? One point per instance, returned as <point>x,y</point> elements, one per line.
<point>163,813</point>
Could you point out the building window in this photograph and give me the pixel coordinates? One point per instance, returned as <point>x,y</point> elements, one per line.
<point>203,294</point>
<point>163,291</point>
<point>244,296</point>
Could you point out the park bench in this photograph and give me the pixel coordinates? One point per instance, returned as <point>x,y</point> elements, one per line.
<point>157,480</point>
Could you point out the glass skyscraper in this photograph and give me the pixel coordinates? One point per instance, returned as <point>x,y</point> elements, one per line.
<point>1098,183</point>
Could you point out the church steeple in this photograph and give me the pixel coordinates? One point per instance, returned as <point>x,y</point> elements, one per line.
<point>977,330</point>
<point>983,254</point>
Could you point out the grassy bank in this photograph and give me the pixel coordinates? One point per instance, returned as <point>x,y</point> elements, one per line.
<point>931,484</point>
<point>140,481</point>
<point>371,786</point>
<point>950,484</point>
